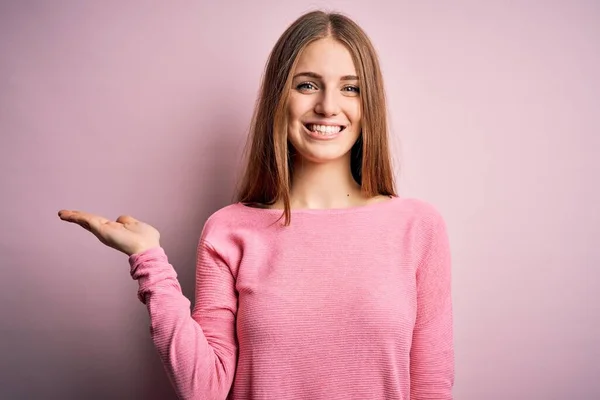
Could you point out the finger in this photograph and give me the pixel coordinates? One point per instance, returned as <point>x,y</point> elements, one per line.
<point>126,219</point>
<point>86,220</point>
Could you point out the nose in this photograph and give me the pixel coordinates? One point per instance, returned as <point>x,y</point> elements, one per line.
<point>328,103</point>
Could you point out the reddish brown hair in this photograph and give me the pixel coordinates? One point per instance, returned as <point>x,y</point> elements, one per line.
<point>268,173</point>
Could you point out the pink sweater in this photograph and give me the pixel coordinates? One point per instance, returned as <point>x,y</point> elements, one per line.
<point>342,304</point>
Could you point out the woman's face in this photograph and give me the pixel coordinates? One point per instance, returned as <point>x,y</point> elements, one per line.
<point>324,110</point>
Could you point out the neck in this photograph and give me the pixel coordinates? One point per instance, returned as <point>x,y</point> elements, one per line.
<point>324,185</point>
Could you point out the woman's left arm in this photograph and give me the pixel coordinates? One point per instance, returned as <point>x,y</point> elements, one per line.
<point>432,349</point>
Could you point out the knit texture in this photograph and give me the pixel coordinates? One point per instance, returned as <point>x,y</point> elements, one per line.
<point>342,304</point>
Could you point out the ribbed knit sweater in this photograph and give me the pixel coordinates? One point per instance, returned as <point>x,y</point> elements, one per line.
<point>342,304</point>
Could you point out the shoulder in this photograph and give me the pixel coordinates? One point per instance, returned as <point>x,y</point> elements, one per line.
<point>422,215</point>
<point>419,210</point>
<point>235,221</point>
<point>224,215</point>
<point>222,220</point>
<point>222,232</point>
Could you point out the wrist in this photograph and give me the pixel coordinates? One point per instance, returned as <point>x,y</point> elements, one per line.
<point>141,248</point>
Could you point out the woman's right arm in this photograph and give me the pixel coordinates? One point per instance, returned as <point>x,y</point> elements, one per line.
<point>199,349</point>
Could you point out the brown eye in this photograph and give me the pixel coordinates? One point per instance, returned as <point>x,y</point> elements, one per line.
<point>354,89</point>
<point>306,86</point>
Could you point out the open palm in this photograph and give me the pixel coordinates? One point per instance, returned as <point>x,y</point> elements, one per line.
<point>126,234</point>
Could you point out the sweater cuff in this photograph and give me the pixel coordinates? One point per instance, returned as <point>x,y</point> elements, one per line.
<point>151,269</point>
<point>152,254</point>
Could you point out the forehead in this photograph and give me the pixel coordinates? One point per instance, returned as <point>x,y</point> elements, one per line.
<point>326,57</point>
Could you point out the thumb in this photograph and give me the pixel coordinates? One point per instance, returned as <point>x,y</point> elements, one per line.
<point>126,219</point>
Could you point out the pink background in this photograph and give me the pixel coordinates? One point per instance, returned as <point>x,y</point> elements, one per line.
<point>131,108</point>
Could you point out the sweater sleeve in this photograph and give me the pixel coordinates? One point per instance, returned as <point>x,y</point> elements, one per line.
<point>432,350</point>
<point>198,349</point>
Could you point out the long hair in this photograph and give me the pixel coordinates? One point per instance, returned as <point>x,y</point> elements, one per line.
<point>268,173</point>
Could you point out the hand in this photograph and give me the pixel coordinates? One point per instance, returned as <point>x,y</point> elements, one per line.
<point>126,234</point>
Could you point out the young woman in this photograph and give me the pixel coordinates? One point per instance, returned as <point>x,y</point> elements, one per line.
<point>320,282</point>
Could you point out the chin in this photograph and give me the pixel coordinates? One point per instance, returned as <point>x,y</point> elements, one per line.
<point>322,158</point>
<point>322,155</point>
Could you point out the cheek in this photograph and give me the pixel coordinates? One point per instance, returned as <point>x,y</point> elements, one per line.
<point>356,113</point>
<point>297,107</point>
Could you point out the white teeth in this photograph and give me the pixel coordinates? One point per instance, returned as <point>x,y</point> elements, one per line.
<point>324,129</point>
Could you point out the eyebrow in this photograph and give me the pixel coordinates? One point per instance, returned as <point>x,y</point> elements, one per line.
<point>317,76</point>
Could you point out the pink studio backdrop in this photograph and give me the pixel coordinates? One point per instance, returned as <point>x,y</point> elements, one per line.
<point>130,108</point>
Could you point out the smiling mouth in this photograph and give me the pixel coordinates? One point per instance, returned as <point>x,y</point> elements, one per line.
<point>325,129</point>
